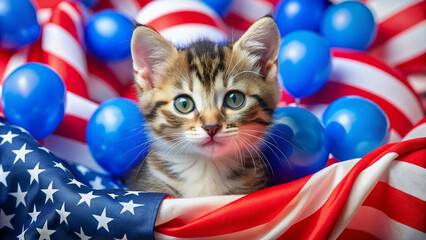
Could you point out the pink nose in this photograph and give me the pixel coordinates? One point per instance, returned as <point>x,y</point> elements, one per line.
<point>212,129</point>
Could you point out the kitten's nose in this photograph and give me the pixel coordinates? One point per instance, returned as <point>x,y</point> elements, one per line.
<point>212,129</point>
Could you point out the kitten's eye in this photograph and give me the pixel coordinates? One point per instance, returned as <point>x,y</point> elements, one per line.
<point>234,100</point>
<point>184,104</point>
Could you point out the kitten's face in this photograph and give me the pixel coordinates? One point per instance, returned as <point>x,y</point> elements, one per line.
<point>208,99</point>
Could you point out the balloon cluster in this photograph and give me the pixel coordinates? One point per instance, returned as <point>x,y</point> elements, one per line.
<point>309,28</point>
<point>296,144</point>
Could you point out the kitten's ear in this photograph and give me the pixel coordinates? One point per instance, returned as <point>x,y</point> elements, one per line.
<point>262,40</point>
<point>150,51</point>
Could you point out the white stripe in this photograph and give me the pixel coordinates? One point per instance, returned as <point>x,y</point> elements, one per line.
<point>16,60</point>
<point>311,198</point>
<point>361,188</point>
<point>79,106</point>
<point>405,46</point>
<point>377,223</point>
<point>128,7</point>
<point>379,83</point>
<point>43,15</point>
<point>57,41</point>
<point>189,209</point>
<point>408,178</point>
<point>394,136</point>
<point>156,9</point>
<point>383,9</point>
<point>251,10</point>
<point>99,90</point>
<point>418,81</point>
<point>184,34</point>
<point>74,15</point>
<point>72,151</point>
<point>417,132</point>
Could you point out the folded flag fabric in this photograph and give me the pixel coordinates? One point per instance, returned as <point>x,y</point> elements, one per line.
<point>380,196</point>
<point>41,199</point>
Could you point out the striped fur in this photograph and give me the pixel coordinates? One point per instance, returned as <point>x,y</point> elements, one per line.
<point>185,160</point>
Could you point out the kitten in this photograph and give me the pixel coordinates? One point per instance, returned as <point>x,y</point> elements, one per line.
<point>207,107</point>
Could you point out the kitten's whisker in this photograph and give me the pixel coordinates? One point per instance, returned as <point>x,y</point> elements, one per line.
<point>230,73</point>
<point>264,159</point>
<point>252,159</point>
<point>269,143</point>
<point>278,136</point>
<point>230,63</point>
<point>239,153</point>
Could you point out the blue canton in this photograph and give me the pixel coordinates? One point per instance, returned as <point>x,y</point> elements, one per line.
<point>42,197</point>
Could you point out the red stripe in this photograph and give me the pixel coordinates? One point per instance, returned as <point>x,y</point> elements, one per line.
<point>417,158</point>
<point>352,234</point>
<point>273,2</point>
<point>400,22</point>
<point>35,53</point>
<point>421,122</point>
<point>46,3</point>
<point>62,19</point>
<point>71,77</point>
<point>130,93</point>
<point>102,4</point>
<point>185,17</point>
<point>399,206</point>
<point>238,22</point>
<point>414,65</point>
<point>142,3</point>
<point>73,128</point>
<point>250,211</point>
<point>320,225</point>
<point>4,60</point>
<point>100,70</point>
<point>398,120</point>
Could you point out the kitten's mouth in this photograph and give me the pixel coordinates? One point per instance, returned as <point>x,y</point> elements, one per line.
<point>210,142</point>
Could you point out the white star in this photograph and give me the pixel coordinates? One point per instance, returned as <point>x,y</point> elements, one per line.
<point>112,195</point>
<point>3,175</point>
<point>22,235</point>
<point>35,172</point>
<point>5,220</point>
<point>8,137</point>
<point>44,149</point>
<point>20,196</point>
<point>34,214</point>
<point>64,214</point>
<point>132,192</point>
<point>81,235</point>
<point>59,165</point>
<point>49,191</point>
<point>97,183</point>
<point>45,232</point>
<point>20,154</point>
<point>130,206</point>
<point>74,181</point>
<point>82,169</point>
<point>86,198</point>
<point>124,238</point>
<point>103,220</point>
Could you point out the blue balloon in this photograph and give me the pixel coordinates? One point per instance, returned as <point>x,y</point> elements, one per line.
<point>116,136</point>
<point>220,6</point>
<point>349,25</point>
<point>18,24</point>
<point>294,15</point>
<point>355,126</point>
<point>89,3</point>
<point>304,62</point>
<point>295,145</point>
<point>34,98</point>
<point>108,35</point>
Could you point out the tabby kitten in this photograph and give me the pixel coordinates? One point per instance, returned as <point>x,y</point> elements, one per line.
<point>207,107</point>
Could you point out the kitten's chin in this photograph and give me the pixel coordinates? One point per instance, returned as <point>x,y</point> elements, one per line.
<point>214,149</point>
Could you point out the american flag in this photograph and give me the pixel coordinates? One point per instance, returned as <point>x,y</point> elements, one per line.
<point>57,191</point>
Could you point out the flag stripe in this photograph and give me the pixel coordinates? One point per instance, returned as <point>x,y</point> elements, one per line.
<point>352,234</point>
<point>399,22</point>
<point>376,222</point>
<point>416,64</point>
<point>185,17</point>
<point>400,206</point>
<point>73,128</point>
